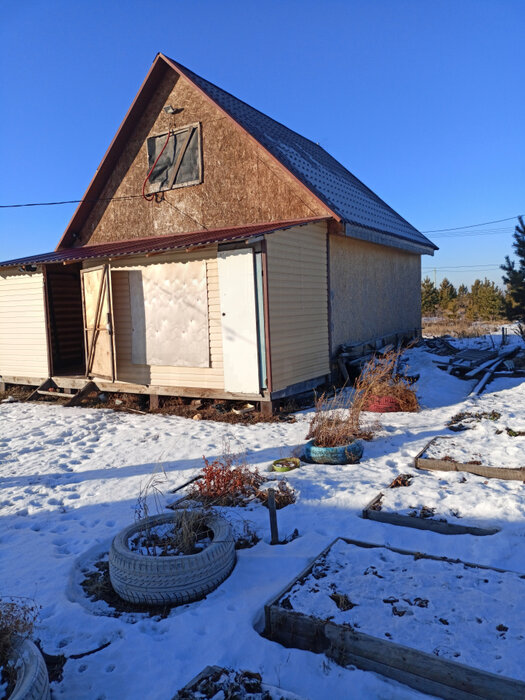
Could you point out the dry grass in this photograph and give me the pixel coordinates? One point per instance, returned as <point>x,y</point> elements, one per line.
<point>337,420</point>
<point>379,379</point>
<point>459,328</point>
<point>17,618</point>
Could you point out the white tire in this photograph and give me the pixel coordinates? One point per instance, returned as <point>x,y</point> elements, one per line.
<point>173,579</point>
<point>32,682</point>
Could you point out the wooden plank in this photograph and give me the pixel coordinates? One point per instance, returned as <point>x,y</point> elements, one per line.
<point>418,669</point>
<point>484,380</point>
<point>445,465</point>
<point>181,155</point>
<point>370,512</point>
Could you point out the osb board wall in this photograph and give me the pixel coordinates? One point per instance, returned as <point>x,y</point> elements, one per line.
<point>23,340</point>
<point>298,304</point>
<point>192,377</point>
<point>241,183</point>
<point>375,290</point>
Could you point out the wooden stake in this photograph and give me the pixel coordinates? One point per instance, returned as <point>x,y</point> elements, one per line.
<point>273,517</point>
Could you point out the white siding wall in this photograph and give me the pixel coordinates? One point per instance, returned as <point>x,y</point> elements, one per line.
<point>298,304</point>
<point>23,342</point>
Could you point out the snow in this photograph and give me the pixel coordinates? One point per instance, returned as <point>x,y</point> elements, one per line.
<point>486,443</point>
<point>435,606</point>
<point>458,497</point>
<point>70,480</point>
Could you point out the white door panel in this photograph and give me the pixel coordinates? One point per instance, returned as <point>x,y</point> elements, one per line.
<point>239,321</point>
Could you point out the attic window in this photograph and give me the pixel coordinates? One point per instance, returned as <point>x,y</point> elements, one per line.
<point>180,164</point>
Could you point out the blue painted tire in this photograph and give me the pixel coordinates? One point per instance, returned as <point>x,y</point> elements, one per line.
<point>346,454</point>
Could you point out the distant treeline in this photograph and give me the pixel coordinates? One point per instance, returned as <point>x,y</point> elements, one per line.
<point>484,301</point>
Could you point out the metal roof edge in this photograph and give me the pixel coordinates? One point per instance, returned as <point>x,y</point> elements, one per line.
<point>155,245</point>
<point>388,239</point>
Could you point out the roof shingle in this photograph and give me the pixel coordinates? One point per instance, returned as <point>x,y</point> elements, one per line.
<point>341,191</point>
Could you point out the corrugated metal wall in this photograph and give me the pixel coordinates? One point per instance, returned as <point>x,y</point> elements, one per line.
<point>23,342</point>
<point>298,304</point>
<point>192,377</point>
<point>375,290</point>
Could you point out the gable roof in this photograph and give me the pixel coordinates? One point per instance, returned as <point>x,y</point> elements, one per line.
<point>158,244</point>
<point>330,181</point>
<point>344,196</point>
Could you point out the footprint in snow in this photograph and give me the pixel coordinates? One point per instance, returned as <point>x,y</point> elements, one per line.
<point>55,502</point>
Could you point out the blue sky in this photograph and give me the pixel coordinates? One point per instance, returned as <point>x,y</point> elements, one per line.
<point>422,100</point>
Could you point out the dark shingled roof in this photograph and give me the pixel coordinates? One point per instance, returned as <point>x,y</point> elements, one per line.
<point>346,196</point>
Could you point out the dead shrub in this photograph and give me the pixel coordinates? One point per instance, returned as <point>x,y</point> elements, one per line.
<point>336,421</point>
<point>379,378</point>
<point>225,482</point>
<point>228,481</point>
<point>17,619</point>
<point>284,495</point>
<point>189,529</point>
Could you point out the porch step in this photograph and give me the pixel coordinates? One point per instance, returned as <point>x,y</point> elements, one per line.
<point>53,393</point>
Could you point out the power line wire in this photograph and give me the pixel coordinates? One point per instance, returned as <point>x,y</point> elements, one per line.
<point>480,267</point>
<point>459,228</point>
<point>68,201</point>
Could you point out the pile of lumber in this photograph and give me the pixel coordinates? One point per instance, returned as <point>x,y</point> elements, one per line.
<point>482,365</point>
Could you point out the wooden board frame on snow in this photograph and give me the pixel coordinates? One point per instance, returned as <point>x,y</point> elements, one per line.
<point>443,528</point>
<point>347,646</point>
<point>445,465</point>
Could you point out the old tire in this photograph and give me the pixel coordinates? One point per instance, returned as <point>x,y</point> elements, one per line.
<point>346,454</point>
<point>32,682</point>
<point>173,579</point>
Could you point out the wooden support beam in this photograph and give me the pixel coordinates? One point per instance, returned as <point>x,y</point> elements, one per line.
<point>267,408</point>
<point>86,389</point>
<point>153,402</point>
<point>47,384</point>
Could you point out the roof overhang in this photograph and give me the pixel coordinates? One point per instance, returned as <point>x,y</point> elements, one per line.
<point>159,244</point>
<point>388,239</point>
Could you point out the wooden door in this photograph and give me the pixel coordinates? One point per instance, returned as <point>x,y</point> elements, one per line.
<point>98,322</point>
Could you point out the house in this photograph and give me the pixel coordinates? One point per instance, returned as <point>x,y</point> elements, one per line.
<point>216,253</point>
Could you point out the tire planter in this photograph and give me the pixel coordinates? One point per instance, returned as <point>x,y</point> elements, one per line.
<point>172,579</point>
<point>32,682</point>
<point>286,464</point>
<point>345,454</point>
<point>383,404</point>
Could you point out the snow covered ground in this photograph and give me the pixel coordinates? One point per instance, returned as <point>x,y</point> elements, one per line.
<point>70,478</point>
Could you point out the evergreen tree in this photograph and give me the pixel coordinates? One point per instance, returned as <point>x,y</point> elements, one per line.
<point>514,277</point>
<point>487,302</point>
<point>447,294</point>
<point>429,297</point>
<point>460,304</point>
